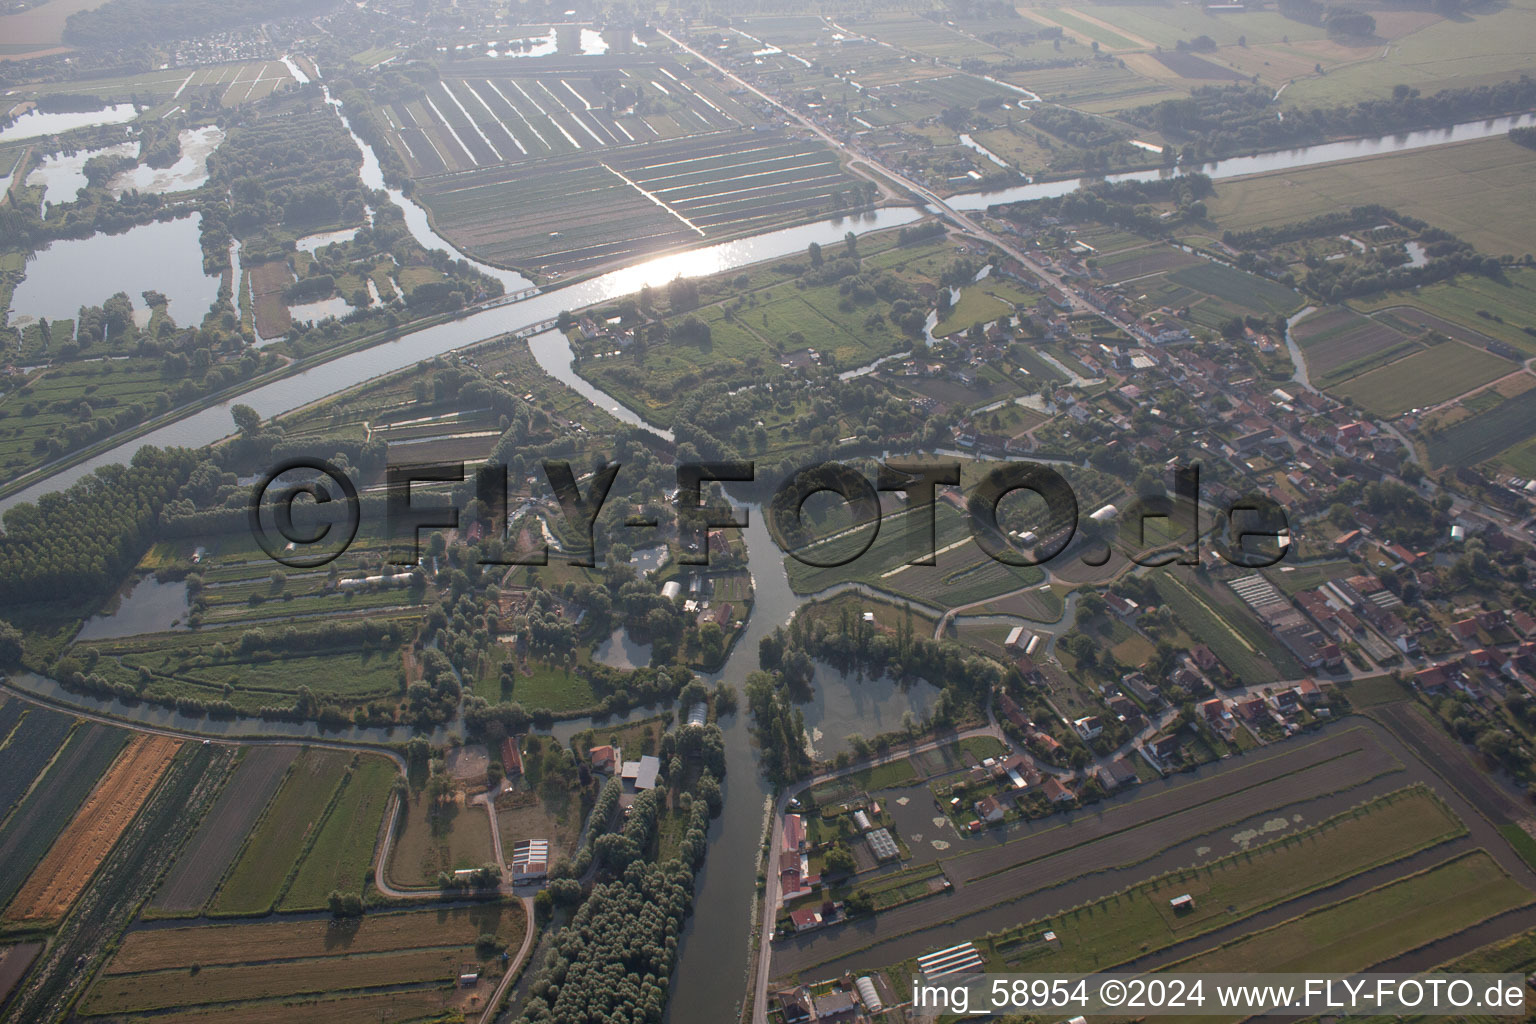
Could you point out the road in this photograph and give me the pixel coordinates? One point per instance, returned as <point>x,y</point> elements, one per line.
<point>867,167</point>
<point>771,893</point>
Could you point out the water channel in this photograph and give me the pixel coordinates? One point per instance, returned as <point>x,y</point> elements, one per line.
<point>710,980</point>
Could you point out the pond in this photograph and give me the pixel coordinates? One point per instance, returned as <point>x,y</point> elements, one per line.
<point>314,243</point>
<point>188,172</point>
<point>619,651</point>
<point>320,309</point>
<point>149,606</point>
<point>649,559</point>
<point>165,256</point>
<point>844,704</point>
<point>35,124</point>
<point>62,175</point>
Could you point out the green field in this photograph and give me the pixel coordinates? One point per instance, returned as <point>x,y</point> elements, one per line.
<point>1507,428</point>
<point>1139,920</point>
<point>460,837</point>
<point>1451,187</point>
<point>1249,654</point>
<point>1501,308</point>
<point>1087,30</point>
<point>343,848</point>
<point>1423,379</point>
<point>1237,288</point>
<point>1477,47</point>
<point>866,780</point>
<point>1376,925</point>
<point>260,874</point>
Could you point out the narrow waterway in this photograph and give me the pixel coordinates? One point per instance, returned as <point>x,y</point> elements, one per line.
<point>710,981</point>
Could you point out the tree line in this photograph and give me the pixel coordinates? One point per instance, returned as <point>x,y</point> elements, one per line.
<point>1218,121</point>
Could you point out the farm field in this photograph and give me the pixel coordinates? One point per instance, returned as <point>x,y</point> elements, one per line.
<point>1164,24</point>
<point>261,873</point>
<point>225,85</point>
<point>369,1008</point>
<point>1430,54</point>
<point>29,736</point>
<point>124,993</point>
<point>1358,932</point>
<point>1128,924</point>
<point>345,677</point>
<point>1233,286</point>
<point>53,396</point>
<point>1451,187</point>
<point>1339,343</point>
<point>536,216</point>
<point>1507,428</point>
<point>207,855</point>
<point>32,827</point>
<point>79,850</point>
<point>1249,652</point>
<point>162,949</point>
<point>1425,378</point>
<point>343,848</point>
<point>481,114</point>
<point>1499,308</point>
<point>459,838</point>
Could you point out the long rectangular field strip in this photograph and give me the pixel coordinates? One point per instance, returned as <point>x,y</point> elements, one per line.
<point>32,827</point>
<point>252,967</point>
<point>1128,924</point>
<point>1378,924</point>
<point>126,993</point>
<point>84,844</point>
<point>29,737</point>
<point>207,855</point>
<point>256,881</point>
<point>343,849</point>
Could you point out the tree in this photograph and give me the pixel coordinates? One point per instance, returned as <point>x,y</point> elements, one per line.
<point>839,861</point>
<point>10,645</point>
<point>247,420</point>
<point>343,905</point>
<point>814,252</point>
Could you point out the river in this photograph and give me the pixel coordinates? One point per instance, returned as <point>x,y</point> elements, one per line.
<point>1263,163</point>
<point>210,425</point>
<point>710,979</point>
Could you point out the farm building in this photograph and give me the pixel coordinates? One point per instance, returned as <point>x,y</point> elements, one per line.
<point>641,774</point>
<point>605,758</point>
<point>961,959</point>
<point>1182,903</point>
<point>881,844</point>
<point>866,988</point>
<point>511,757</point>
<point>530,861</point>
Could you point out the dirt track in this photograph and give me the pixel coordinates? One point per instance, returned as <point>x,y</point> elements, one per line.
<point>85,842</point>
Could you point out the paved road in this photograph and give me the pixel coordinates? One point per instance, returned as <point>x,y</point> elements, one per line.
<point>776,838</point>
<point>868,167</point>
